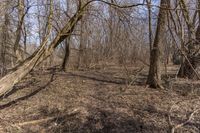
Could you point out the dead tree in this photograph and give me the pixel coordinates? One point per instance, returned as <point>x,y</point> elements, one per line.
<point>154,76</point>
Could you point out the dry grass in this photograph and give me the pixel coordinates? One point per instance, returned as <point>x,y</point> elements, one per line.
<point>98,101</point>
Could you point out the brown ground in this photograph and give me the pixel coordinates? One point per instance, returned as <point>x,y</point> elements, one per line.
<point>99,101</point>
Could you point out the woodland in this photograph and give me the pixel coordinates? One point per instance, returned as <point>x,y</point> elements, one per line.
<point>100,66</point>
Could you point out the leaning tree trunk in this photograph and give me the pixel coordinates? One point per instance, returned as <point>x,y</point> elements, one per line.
<point>8,81</point>
<point>154,77</point>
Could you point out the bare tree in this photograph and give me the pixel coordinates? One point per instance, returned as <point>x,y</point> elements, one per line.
<point>191,51</point>
<point>67,52</point>
<point>154,76</point>
<point>4,39</point>
<point>21,15</point>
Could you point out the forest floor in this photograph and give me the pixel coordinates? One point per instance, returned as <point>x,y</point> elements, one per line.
<point>100,101</point>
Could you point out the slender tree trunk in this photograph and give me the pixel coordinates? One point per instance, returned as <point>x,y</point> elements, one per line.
<point>82,46</point>
<point>154,77</point>
<point>150,23</point>
<point>4,44</point>
<point>67,52</point>
<point>21,16</point>
<point>191,61</point>
<point>198,28</point>
<point>111,30</point>
<point>25,42</point>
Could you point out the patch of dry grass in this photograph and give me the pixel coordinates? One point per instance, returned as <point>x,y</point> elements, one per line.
<point>97,101</point>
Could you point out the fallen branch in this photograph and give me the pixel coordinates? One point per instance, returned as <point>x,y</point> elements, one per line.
<point>186,122</point>
<point>189,119</point>
<point>40,121</point>
<point>34,122</point>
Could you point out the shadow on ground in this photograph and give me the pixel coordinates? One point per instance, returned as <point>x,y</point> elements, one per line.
<point>26,85</point>
<point>97,120</point>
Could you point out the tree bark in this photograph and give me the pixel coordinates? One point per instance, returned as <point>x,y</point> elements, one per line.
<point>67,52</point>
<point>150,23</point>
<point>154,76</point>
<point>81,46</point>
<point>4,43</point>
<point>192,57</point>
<point>21,15</point>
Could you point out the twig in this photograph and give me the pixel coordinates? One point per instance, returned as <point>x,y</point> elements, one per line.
<point>173,128</point>
<point>33,122</point>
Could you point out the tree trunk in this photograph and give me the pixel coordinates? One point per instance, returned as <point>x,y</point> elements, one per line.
<point>192,57</point>
<point>4,43</point>
<point>154,76</point>
<point>21,16</point>
<point>81,54</point>
<point>150,23</point>
<point>8,81</point>
<point>67,52</point>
